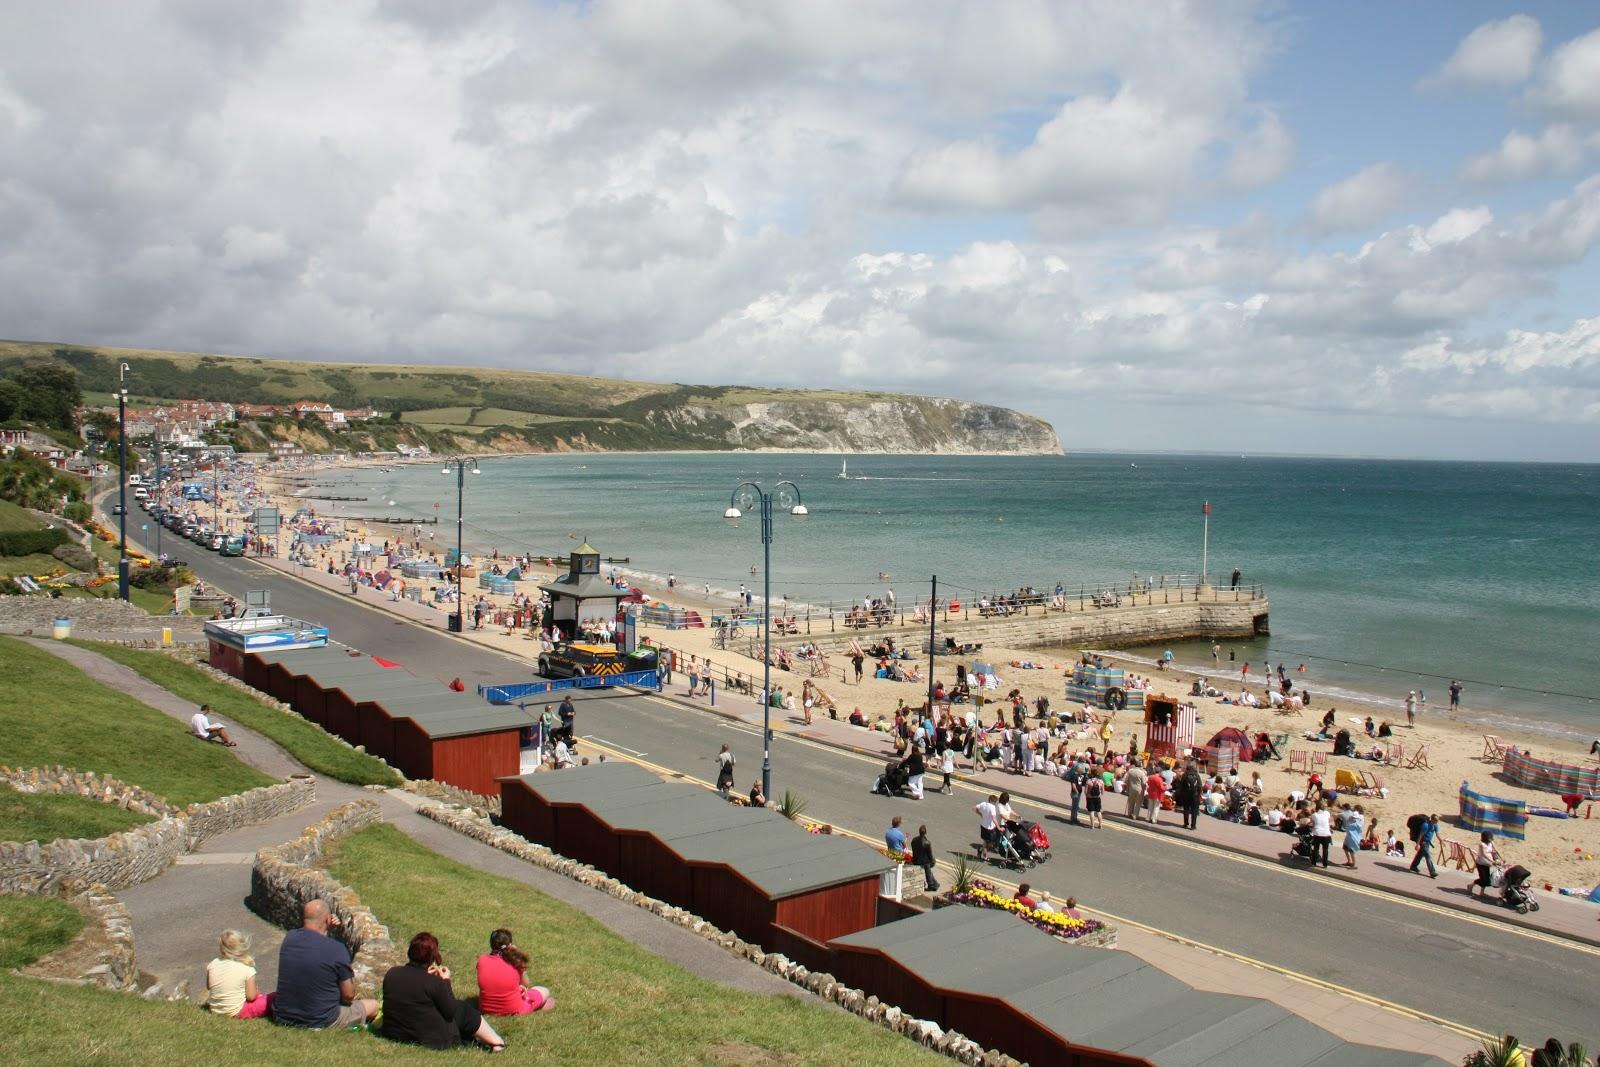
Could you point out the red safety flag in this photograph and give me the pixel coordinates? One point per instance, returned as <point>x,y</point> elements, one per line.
<point>1205,509</point>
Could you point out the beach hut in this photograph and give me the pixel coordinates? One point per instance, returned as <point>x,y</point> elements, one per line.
<point>749,871</point>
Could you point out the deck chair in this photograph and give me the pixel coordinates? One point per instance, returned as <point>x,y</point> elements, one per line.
<point>1346,779</point>
<point>1394,754</point>
<point>1419,760</point>
<point>1319,762</point>
<point>1299,760</point>
<point>1491,747</point>
<point>1373,782</point>
<point>1455,854</point>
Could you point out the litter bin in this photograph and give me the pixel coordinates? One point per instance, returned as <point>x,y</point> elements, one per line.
<point>61,629</point>
<point>454,622</point>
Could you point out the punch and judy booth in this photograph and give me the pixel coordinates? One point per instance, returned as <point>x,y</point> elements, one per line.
<point>1169,725</point>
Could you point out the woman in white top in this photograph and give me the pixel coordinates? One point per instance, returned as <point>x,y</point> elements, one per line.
<point>1321,835</point>
<point>1486,856</point>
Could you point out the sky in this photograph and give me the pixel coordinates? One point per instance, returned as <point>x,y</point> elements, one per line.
<point>1351,229</point>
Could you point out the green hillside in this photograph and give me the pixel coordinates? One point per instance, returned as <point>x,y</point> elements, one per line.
<point>454,407</point>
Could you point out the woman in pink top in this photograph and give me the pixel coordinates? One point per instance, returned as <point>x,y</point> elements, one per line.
<point>500,988</point>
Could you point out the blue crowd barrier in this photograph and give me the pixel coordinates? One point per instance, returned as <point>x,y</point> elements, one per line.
<point>510,694</point>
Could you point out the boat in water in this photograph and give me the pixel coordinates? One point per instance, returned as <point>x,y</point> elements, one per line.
<point>844,468</point>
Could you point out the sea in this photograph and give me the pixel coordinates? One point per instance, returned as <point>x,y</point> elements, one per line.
<point>1383,575</point>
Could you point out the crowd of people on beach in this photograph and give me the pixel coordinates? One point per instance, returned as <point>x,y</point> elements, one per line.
<point>316,987</point>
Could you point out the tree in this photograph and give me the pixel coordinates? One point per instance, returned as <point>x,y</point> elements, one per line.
<point>50,395</point>
<point>10,400</point>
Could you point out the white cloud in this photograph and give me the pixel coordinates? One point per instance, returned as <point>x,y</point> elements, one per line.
<point>1495,55</point>
<point>1363,199</point>
<point>1559,149</point>
<point>1569,85</point>
<point>1262,155</point>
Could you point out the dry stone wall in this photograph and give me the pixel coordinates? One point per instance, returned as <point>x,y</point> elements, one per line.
<point>102,954</point>
<point>284,877</point>
<point>952,1044</point>
<point>133,856</point>
<point>452,794</point>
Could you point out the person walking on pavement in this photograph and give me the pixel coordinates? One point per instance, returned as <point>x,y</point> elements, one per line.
<point>1321,834</point>
<point>569,718</point>
<point>1075,779</point>
<point>1155,788</point>
<point>1427,836</point>
<point>922,856</point>
<point>725,762</point>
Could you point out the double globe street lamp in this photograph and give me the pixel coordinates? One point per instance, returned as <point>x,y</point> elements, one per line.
<point>748,495</point>
<point>459,467</point>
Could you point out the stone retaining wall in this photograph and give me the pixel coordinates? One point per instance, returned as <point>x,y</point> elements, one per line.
<point>950,1043</point>
<point>19,614</point>
<point>102,954</point>
<point>451,794</point>
<point>284,877</point>
<point>130,857</point>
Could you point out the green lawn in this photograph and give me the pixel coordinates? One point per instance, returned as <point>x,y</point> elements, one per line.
<point>32,927</point>
<point>305,741</point>
<point>34,565</point>
<point>51,712</point>
<point>49,816</point>
<point>14,517</point>
<point>615,1003</point>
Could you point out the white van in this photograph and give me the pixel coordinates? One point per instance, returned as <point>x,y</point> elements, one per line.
<point>141,493</point>
<point>134,479</point>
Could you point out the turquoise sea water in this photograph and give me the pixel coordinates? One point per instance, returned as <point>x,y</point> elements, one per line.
<point>1383,575</point>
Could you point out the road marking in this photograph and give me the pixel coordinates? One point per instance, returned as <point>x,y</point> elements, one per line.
<point>969,783</point>
<point>613,745</point>
<point>1271,968</point>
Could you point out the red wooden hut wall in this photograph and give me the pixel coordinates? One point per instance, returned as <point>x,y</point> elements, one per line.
<point>227,658</point>
<point>473,762</point>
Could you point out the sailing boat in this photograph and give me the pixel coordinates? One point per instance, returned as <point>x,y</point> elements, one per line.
<point>844,468</point>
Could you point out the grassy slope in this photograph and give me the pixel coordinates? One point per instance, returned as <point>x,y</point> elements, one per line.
<point>36,565</point>
<point>32,927</point>
<point>14,518</point>
<point>47,816</point>
<point>305,741</point>
<point>51,712</point>
<point>617,1004</point>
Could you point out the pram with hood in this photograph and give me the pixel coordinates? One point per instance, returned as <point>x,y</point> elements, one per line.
<point>893,779</point>
<point>1514,892</point>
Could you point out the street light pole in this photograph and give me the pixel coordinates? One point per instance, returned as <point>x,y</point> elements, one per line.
<point>745,496</point>
<point>933,615</point>
<point>461,490</point>
<point>122,489</point>
<point>161,456</point>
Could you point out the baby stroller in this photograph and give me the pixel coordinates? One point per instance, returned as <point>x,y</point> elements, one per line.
<point>1301,850</point>
<point>1004,849</point>
<point>1514,892</point>
<point>1038,842</point>
<point>893,779</point>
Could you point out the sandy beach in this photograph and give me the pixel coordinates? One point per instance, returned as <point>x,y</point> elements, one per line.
<point>1561,852</point>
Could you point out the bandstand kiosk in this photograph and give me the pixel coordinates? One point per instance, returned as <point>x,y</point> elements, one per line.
<point>581,597</point>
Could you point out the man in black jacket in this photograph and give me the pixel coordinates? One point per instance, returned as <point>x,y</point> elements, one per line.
<point>922,856</point>
<point>1187,793</point>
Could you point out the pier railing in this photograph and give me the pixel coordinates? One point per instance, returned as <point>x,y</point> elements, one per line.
<point>984,607</point>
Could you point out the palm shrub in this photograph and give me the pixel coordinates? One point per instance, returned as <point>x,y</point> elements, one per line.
<point>792,806</point>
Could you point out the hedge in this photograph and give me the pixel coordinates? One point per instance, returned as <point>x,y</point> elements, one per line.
<point>27,542</point>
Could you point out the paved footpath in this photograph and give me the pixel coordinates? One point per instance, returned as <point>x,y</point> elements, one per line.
<point>178,916</point>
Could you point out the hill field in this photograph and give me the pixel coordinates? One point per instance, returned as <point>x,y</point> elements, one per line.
<point>487,409</point>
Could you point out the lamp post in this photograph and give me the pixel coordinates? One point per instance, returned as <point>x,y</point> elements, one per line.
<point>747,495</point>
<point>460,469</point>
<point>161,457</point>
<point>122,480</point>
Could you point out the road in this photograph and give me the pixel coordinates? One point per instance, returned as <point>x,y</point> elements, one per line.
<point>1463,969</point>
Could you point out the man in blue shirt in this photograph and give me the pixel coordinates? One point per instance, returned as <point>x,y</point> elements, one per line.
<point>316,987</point>
<point>1427,837</point>
<point>894,838</point>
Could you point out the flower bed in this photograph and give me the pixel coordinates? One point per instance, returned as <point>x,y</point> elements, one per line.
<point>981,894</point>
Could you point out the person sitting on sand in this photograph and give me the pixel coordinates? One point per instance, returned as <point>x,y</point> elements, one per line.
<point>203,726</point>
<point>501,990</point>
<point>858,718</point>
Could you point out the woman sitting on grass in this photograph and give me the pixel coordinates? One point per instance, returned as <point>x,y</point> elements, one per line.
<point>420,1008</point>
<point>500,987</point>
<point>231,980</point>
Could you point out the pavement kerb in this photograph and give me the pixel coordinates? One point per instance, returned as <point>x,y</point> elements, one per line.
<point>1509,917</point>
